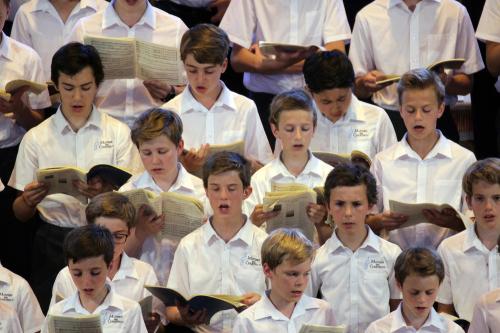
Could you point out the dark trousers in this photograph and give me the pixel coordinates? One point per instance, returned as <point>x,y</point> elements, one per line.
<point>263,101</point>
<point>189,15</point>
<point>446,124</point>
<point>47,260</point>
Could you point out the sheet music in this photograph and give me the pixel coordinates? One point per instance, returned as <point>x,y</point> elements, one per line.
<point>139,197</point>
<point>80,324</point>
<point>311,328</point>
<point>158,62</point>
<point>182,215</point>
<point>414,211</point>
<point>60,180</point>
<point>117,56</point>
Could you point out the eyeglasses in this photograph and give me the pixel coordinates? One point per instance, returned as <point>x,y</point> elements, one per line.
<point>120,237</point>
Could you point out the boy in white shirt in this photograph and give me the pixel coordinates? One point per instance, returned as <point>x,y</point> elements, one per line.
<point>126,275</point>
<point>126,99</point>
<point>419,272</point>
<point>286,260</point>
<point>211,113</point>
<point>45,25</point>
<point>424,167</point>
<point>9,322</point>
<point>16,293</point>
<point>300,22</point>
<point>293,121</point>
<point>354,268</point>
<point>76,135</point>
<point>223,255</point>
<point>89,254</point>
<point>157,133</point>
<point>472,255</point>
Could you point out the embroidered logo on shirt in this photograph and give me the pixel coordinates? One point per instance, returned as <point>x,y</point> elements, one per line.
<point>375,264</point>
<point>248,260</point>
<point>112,318</point>
<point>6,296</point>
<point>360,133</point>
<point>103,144</point>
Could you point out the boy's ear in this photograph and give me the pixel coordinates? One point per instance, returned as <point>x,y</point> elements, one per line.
<point>180,147</point>
<point>274,129</point>
<point>468,199</point>
<point>267,270</point>
<point>400,287</point>
<point>441,110</point>
<point>246,192</point>
<point>224,65</point>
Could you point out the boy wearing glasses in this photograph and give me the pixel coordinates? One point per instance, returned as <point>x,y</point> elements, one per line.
<point>126,275</point>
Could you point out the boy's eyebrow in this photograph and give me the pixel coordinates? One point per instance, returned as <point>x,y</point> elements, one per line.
<point>73,85</point>
<point>192,66</point>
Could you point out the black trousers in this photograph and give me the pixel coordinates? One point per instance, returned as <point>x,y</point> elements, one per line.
<point>263,101</point>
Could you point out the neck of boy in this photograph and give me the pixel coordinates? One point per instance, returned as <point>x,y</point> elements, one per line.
<point>227,227</point>
<point>64,7</point>
<point>166,180</point>
<point>90,303</point>
<point>130,15</point>
<point>352,240</point>
<point>75,122</point>
<point>413,321</point>
<point>282,305</point>
<point>423,146</point>
<point>207,100</point>
<point>295,162</point>
<point>488,237</point>
<point>115,266</point>
<point>411,4</point>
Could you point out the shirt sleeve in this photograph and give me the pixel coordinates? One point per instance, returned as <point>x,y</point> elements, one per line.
<point>179,275</point>
<point>445,295</point>
<point>479,322</point>
<point>30,314</point>
<point>386,133</point>
<point>314,281</point>
<point>20,28</point>
<point>26,164</point>
<point>256,143</point>
<point>62,287</point>
<point>467,46</point>
<point>336,26</point>
<point>239,325</point>
<point>135,322</point>
<point>361,52</point>
<point>127,155</point>
<point>376,170</point>
<point>35,67</point>
<point>488,28</point>
<point>239,22</point>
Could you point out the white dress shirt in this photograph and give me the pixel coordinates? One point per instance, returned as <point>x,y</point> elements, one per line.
<point>395,323</point>
<point>389,37</point>
<point>118,314</point>
<point>39,25</point>
<point>359,284</point>
<point>232,118</point>
<point>18,61</point>
<point>263,317</point>
<point>16,293</point>
<point>53,143</point>
<point>486,317</point>
<point>403,176</point>
<point>206,264</point>
<point>466,259</point>
<point>364,127</point>
<point>126,99</point>
<point>488,29</point>
<point>300,22</point>
<point>9,322</point>
<point>160,253</point>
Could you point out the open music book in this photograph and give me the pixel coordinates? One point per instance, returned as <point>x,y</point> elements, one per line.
<point>213,303</point>
<point>356,157</point>
<point>312,328</point>
<point>12,86</point>
<point>75,324</point>
<point>183,214</point>
<point>235,147</point>
<point>414,211</point>
<point>270,49</point>
<point>128,58</point>
<point>437,66</point>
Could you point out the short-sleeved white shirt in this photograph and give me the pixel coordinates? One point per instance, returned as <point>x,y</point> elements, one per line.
<point>53,143</point>
<point>9,322</point>
<point>313,175</point>
<point>118,314</point>
<point>160,253</point>
<point>17,293</point>
<point>18,61</point>
<point>232,118</point>
<point>488,28</point>
<point>301,22</point>
<point>394,322</point>
<point>466,259</point>
<point>1,186</point>
<point>128,281</point>
<point>436,30</point>
<point>486,317</point>
<point>126,99</point>
<point>38,25</point>
<point>263,317</point>
<point>206,264</point>
<point>364,127</point>
<point>358,285</point>
<point>403,176</point>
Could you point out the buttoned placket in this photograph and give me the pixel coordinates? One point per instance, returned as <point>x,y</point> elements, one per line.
<point>414,36</point>
<point>226,273</point>
<point>354,288</point>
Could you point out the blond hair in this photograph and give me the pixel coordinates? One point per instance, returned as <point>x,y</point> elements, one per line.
<point>286,245</point>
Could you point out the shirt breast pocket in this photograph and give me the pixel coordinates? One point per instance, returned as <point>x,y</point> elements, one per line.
<point>438,47</point>
<point>448,191</point>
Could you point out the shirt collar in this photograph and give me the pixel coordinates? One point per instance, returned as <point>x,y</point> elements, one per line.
<point>225,100</point>
<point>472,241</point>
<point>62,125</point>
<point>279,170</point>
<point>371,243</point>
<point>110,302</point>
<point>442,148</point>
<point>434,320</point>
<point>245,234</point>
<point>5,50</point>
<point>268,310</point>
<point>354,112</point>
<point>111,17</point>
<point>45,5</point>
<point>394,3</point>
<point>183,181</point>
<point>126,270</point>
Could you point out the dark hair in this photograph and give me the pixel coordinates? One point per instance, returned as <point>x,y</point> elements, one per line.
<point>111,204</point>
<point>348,174</point>
<point>207,43</point>
<point>420,261</point>
<point>227,161</point>
<point>88,242</point>
<point>487,170</point>
<point>296,99</point>
<point>328,70</point>
<point>155,122</point>
<point>419,79</point>
<point>6,2</point>
<point>72,58</point>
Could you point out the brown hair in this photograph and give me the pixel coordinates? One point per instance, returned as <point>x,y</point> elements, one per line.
<point>487,170</point>
<point>227,161</point>
<point>286,244</point>
<point>155,122</point>
<point>88,242</point>
<point>296,99</point>
<point>207,43</point>
<point>111,204</point>
<point>420,261</point>
<point>419,79</point>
